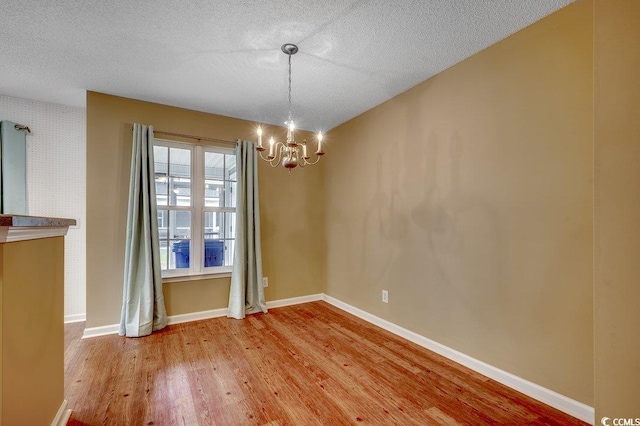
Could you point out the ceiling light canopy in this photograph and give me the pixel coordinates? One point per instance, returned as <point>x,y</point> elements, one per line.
<point>289,154</point>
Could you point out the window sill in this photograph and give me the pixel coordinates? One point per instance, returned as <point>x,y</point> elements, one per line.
<point>195,277</point>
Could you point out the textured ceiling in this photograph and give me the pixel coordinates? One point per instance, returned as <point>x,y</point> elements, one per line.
<point>224,57</point>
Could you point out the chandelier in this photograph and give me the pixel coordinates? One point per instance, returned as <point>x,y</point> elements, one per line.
<point>290,153</point>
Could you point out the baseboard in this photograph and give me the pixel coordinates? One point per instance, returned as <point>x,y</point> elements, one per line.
<point>196,316</point>
<point>294,301</point>
<point>68,319</point>
<point>62,416</point>
<point>547,396</point>
<point>104,330</point>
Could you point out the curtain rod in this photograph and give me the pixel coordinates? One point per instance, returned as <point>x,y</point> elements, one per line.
<point>19,127</point>
<point>200,138</point>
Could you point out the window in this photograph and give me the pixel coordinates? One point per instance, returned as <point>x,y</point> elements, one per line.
<point>195,193</point>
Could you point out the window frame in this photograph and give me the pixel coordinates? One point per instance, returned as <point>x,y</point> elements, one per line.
<point>198,209</point>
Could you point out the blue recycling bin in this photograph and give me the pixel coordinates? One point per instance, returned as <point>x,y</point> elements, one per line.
<point>213,253</point>
<point>181,249</point>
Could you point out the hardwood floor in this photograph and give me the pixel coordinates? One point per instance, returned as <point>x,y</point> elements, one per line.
<point>309,364</point>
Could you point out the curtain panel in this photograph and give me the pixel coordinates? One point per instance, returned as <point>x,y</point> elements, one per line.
<point>247,294</point>
<point>143,309</point>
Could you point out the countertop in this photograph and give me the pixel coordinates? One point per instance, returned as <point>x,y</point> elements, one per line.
<point>13,220</point>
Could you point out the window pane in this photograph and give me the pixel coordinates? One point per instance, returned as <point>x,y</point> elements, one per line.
<point>229,225</point>
<point>230,194</point>
<point>175,235</point>
<point>213,165</point>
<point>164,255</point>
<point>230,167</point>
<point>163,224</point>
<point>161,199</point>
<point>180,191</point>
<point>213,193</point>
<point>160,160</point>
<point>213,225</point>
<point>228,252</point>
<point>180,162</point>
<point>219,225</point>
<point>180,225</point>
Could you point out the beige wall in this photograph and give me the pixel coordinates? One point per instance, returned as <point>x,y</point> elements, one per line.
<point>291,211</point>
<point>617,208</point>
<point>32,336</point>
<point>469,198</point>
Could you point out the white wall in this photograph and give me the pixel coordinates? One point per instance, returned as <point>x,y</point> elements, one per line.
<point>56,181</point>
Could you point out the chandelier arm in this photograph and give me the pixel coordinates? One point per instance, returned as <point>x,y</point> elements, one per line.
<point>307,163</point>
<point>271,162</point>
<point>274,162</point>
<point>279,147</point>
<point>263,157</point>
<point>300,159</point>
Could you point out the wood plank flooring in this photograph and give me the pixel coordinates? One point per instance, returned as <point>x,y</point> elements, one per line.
<point>309,364</point>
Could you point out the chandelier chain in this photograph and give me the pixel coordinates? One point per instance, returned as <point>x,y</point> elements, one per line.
<point>289,87</point>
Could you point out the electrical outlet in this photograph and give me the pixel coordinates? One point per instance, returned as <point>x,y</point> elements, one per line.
<point>265,281</point>
<point>385,296</point>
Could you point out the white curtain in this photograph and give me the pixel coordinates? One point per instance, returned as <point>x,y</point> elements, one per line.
<point>247,294</point>
<point>13,168</point>
<point>143,309</point>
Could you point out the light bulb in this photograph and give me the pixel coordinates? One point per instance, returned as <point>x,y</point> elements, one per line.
<point>271,146</point>
<point>259,147</point>
<point>320,151</point>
